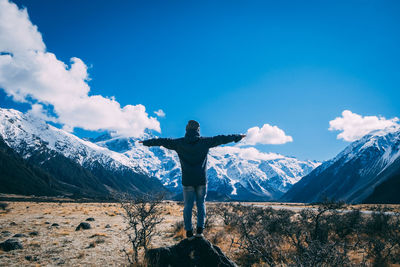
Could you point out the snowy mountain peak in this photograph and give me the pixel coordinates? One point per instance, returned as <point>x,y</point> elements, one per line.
<point>24,133</point>
<point>237,172</point>
<point>355,172</point>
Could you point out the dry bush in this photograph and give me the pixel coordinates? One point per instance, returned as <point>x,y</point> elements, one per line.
<point>179,230</point>
<point>142,213</point>
<point>211,214</point>
<point>325,236</point>
<point>218,237</point>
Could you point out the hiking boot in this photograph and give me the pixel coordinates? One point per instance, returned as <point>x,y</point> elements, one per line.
<point>189,235</point>
<point>199,232</point>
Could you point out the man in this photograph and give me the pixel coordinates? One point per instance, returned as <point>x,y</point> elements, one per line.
<point>192,151</point>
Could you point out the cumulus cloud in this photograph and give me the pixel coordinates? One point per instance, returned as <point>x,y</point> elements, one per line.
<point>354,126</point>
<point>160,113</point>
<point>31,74</point>
<point>267,134</point>
<point>249,153</point>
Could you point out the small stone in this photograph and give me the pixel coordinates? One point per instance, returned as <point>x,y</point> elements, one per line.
<point>13,223</point>
<point>19,235</point>
<point>55,225</point>
<point>107,226</point>
<point>31,258</point>
<point>10,244</point>
<point>83,225</point>
<point>90,219</point>
<point>6,233</point>
<point>46,222</point>
<point>34,233</point>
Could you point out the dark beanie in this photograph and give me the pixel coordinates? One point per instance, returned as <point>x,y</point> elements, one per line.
<point>192,125</point>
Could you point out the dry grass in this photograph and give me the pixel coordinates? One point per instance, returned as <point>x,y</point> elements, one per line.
<point>63,245</point>
<point>99,235</point>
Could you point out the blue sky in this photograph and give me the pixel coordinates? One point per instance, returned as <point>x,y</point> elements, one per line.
<point>233,65</point>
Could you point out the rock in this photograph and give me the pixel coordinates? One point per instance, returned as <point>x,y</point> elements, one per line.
<point>198,252</point>
<point>6,233</point>
<point>31,258</point>
<point>83,225</point>
<point>3,206</point>
<point>10,244</point>
<point>107,226</point>
<point>55,225</point>
<point>46,222</point>
<point>90,219</point>
<point>19,235</point>
<point>13,223</point>
<point>34,233</point>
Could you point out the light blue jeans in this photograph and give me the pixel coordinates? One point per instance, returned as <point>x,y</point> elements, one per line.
<point>191,193</point>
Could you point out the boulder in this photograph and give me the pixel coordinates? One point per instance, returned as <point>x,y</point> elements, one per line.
<point>19,235</point>
<point>83,225</point>
<point>198,252</point>
<point>10,244</point>
<point>34,233</point>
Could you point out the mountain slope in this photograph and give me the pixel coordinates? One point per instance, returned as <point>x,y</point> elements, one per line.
<point>19,177</point>
<point>90,170</point>
<point>354,173</point>
<point>388,191</point>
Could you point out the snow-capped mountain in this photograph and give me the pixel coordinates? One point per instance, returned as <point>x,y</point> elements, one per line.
<point>77,163</point>
<point>239,173</point>
<point>354,173</point>
<point>123,164</point>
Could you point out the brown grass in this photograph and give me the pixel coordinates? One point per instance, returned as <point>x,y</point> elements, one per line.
<point>70,245</point>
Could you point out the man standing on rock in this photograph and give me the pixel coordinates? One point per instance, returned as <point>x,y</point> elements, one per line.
<point>192,151</point>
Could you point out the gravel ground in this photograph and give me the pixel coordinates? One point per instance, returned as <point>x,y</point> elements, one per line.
<point>57,242</point>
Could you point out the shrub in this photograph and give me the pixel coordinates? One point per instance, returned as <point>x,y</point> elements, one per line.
<point>143,214</point>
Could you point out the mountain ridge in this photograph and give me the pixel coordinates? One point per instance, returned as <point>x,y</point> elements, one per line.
<point>354,173</point>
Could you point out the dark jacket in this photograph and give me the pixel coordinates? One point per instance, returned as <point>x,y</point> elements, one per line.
<point>192,151</point>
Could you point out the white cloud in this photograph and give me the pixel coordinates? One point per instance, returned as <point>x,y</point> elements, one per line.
<point>267,134</point>
<point>160,113</point>
<point>29,73</point>
<point>248,153</point>
<point>354,126</point>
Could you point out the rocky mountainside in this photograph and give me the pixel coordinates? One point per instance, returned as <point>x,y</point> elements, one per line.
<point>363,171</point>
<point>19,177</point>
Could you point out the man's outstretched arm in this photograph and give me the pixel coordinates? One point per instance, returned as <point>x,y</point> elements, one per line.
<point>165,142</point>
<point>224,139</point>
